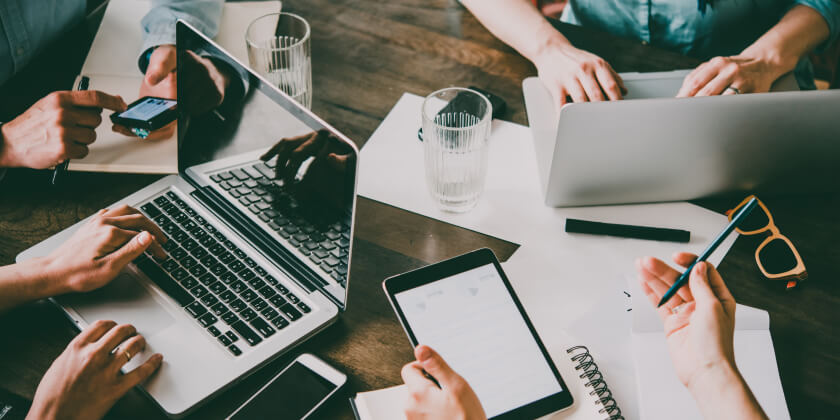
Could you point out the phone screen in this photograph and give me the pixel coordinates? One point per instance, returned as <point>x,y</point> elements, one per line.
<point>472,321</point>
<point>290,396</point>
<point>148,109</point>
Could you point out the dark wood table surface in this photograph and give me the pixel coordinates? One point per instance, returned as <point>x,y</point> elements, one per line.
<point>366,53</point>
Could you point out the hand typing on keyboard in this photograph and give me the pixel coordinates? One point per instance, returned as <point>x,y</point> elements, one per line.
<point>100,249</point>
<point>325,176</point>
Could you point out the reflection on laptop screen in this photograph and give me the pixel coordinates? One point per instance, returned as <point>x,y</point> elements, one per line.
<point>269,161</point>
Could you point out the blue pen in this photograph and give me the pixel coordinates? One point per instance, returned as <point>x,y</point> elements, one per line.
<point>709,250</point>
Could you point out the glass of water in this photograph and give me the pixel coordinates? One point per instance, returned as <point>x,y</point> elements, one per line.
<point>456,125</point>
<point>279,50</point>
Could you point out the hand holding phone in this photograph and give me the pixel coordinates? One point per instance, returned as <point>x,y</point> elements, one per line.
<point>146,115</point>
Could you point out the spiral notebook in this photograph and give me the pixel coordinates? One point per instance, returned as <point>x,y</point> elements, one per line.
<point>593,398</point>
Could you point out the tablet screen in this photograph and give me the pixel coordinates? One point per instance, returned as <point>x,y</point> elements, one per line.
<point>471,319</point>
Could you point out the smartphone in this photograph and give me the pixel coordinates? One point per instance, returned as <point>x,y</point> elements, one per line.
<point>295,393</point>
<point>147,113</point>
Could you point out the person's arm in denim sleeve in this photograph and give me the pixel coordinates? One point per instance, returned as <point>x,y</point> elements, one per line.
<point>830,11</point>
<point>159,24</point>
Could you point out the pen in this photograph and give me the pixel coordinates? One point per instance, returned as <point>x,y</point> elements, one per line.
<point>627,231</point>
<point>61,168</point>
<point>683,279</point>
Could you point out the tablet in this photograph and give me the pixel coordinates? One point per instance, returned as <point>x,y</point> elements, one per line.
<point>466,310</point>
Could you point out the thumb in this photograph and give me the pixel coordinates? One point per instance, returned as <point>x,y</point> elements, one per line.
<point>434,365</point>
<point>698,282</point>
<point>161,64</point>
<point>132,249</point>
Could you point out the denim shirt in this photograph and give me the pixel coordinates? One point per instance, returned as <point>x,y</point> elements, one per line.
<point>27,26</point>
<point>159,24</point>
<point>726,28</point>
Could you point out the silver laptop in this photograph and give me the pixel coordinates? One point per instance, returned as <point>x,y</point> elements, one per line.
<point>660,148</point>
<point>256,265</point>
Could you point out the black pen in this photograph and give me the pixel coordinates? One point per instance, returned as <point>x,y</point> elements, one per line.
<point>627,231</point>
<point>62,167</point>
<point>709,250</point>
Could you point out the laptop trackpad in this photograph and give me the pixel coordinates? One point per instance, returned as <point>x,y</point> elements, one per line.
<point>123,301</point>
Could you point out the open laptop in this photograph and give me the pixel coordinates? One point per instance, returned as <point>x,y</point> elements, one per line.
<point>662,148</point>
<point>256,265</point>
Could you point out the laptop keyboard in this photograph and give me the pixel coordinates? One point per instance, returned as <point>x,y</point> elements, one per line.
<point>227,292</point>
<point>325,243</point>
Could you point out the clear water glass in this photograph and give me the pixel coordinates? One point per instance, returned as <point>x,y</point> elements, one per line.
<point>279,50</point>
<point>456,126</point>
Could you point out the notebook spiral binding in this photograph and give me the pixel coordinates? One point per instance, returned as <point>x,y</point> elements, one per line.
<point>589,370</point>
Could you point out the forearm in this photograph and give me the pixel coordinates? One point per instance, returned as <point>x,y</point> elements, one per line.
<point>517,23</point>
<point>25,282</point>
<point>797,33</point>
<point>721,392</point>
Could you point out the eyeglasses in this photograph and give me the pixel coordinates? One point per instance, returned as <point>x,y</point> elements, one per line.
<point>776,257</point>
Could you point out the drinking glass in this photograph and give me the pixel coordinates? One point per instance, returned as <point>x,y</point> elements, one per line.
<point>279,50</point>
<point>456,125</point>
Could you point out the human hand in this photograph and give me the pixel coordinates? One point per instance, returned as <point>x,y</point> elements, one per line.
<point>160,81</point>
<point>744,74</point>
<point>569,72</point>
<point>700,334</point>
<point>454,399</point>
<point>58,127</point>
<point>85,381</point>
<point>292,152</point>
<point>99,250</point>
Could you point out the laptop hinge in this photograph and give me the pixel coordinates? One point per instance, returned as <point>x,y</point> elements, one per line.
<point>265,244</point>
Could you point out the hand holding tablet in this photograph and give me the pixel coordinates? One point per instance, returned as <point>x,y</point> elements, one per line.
<point>465,309</point>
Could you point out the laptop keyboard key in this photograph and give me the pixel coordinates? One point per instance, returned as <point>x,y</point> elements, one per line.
<point>189,282</point>
<point>248,314</point>
<point>267,292</point>
<point>196,309</point>
<point>214,331</point>
<point>233,337</point>
<point>259,304</point>
<point>198,291</point>
<point>277,301</point>
<point>162,279</point>
<point>279,322</point>
<point>249,295</point>
<point>269,313</point>
<point>224,340</point>
<point>230,317</point>
<point>207,319</point>
<point>238,305</point>
<point>290,312</point>
<point>239,287</point>
<point>304,307</point>
<point>210,299</point>
<point>227,296</point>
<point>218,287</point>
<point>246,332</point>
<point>235,350</point>
<point>292,298</point>
<point>219,309</point>
<point>263,327</point>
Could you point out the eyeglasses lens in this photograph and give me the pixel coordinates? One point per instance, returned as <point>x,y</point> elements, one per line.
<point>777,257</point>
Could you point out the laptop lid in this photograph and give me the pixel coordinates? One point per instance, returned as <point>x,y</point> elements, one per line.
<point>316,164</point>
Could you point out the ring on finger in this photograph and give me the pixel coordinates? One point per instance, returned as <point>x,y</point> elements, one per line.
<point>127,355</point>
<point>734,89</point>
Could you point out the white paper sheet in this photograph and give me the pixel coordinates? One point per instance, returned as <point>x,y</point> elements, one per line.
<point>572,283</point>
<point>660,392</point>
<point>112,67</point>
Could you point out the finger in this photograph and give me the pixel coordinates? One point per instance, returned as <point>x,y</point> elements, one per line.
<point>114,337</point>
<point>95,98</point>
<point>337,162</point>
<point>121,210</point>
<point>619,80</point>
<point>684,259</point>
<point>141,373</point>
<point>608,83</point>
<point>80,135</point>
<point>591,87</point>
<point>720,290</point>
<point>665,275</point>
<point>82,117</point>
<point>676,321</point>
<point>654,299</point>
<point>306,150</point>
<point>415,378</point>
<point>127,350</point>
<point>95,331</point>
<point>137,223</point>
<point>75,151</point>
<point>560,100</point>
<point>699,284</point>
<point>122,236</point>
<point>717,85</point>
<point>576,91</point>
<point>131,250</point>
<point>434,365</point>
<point>699,78</point>
<point>162,133</point>
<point>121,129</point>
<point>161,63</point>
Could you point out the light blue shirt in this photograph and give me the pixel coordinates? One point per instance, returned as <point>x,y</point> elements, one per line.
<point>727,27</point>
<point>159,24</point>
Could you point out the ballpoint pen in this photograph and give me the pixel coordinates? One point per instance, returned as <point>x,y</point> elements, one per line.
<point>61,168</point>
<point>683,279</point>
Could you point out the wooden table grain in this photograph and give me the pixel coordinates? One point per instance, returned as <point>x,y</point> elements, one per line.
<point>366,53</point>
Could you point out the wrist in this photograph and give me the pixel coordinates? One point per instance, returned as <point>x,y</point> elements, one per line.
<point>712,379</point>
<point>774,60</point>
<point>550,41</point>
<point>5,155</point>
<point>52,278</point>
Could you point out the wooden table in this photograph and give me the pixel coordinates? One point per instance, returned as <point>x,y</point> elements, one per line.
<point>366,53</point>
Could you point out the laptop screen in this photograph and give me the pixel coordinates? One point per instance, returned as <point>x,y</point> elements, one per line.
<point>286,178</point>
